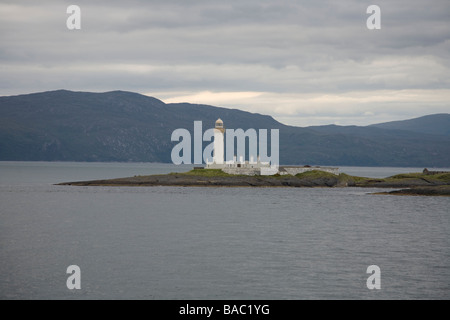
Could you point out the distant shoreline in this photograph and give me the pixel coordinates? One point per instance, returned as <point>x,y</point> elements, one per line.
<point>410,184</point>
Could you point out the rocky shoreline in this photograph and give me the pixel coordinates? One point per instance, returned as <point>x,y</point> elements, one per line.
<point>410,184</point>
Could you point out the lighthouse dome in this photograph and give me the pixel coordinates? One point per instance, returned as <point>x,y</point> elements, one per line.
<point>219,123</point>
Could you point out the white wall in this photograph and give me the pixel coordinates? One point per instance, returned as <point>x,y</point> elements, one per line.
<point>218,146</point>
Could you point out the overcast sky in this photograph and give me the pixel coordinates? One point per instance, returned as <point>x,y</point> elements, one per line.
<point>302,62</point>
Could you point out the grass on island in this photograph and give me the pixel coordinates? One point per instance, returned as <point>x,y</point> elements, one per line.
<point>219,173</point>
<point>442,177</point>
<point>314,174</point>
<point>207,173</point>
<point>318,174</point>
<point>343,177</point>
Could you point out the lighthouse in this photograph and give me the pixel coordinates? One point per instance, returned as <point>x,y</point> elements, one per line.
<point>219,149</point>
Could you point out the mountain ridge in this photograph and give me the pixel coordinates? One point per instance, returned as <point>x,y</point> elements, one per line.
<point>123,126</point>
<point>431,124</point>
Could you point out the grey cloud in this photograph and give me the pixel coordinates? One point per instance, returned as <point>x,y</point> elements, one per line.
<point>275,46</point>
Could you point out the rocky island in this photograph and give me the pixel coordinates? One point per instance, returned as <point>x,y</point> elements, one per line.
<point>409,184</point>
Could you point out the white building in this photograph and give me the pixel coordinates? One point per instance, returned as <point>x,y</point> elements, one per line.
<point>251,167</point>
<point>234,166</point>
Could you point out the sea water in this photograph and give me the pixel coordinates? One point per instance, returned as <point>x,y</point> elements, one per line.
<point>214,243</point>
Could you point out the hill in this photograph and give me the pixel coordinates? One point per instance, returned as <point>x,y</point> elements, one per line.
<point>431,124</point>
<point>128,127</point>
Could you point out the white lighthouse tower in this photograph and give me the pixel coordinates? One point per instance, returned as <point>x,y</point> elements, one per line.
<point>219,149</point>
